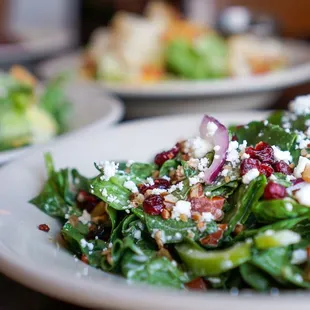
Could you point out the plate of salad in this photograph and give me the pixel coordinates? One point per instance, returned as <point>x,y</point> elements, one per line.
<point>167,213</point>
<point>31,113</point>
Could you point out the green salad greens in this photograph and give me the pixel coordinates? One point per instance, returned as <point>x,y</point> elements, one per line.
<point>27,117</point>
<point>227,209</point>
<point>207,58</point>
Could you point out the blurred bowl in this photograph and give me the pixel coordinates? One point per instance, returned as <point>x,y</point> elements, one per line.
<point>89,107</point>
<point>182,96</point>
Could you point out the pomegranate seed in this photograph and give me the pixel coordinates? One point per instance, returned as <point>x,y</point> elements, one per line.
<point>248,164</point>
<point>158,183</point>
<point>266,169</point>
<point>44,227</point>
<point>274,191</point>
<point>283,167</point>
<point>153,204</point>
<point>164,156</point>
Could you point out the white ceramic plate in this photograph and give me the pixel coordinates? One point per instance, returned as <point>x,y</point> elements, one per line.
<point>88,106</point>
<point>298,53</point>
<point>36,43</point>
<point>33,257</point>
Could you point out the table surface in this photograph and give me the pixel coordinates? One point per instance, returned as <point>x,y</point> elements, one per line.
<point>15,296</point>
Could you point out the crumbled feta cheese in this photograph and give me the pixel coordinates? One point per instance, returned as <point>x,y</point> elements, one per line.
<point>193,180</point>
<point>104,192</point>
<point>273,177</point>
<point>166,177</point>
<point>131,186</point>
<point>109,169</point>
<point>181,207</point>
<point>178,236</point>
<point>137,234</point>
<point>203,164</point>
<point>193,162</point>
<point>299,256</point>
<point>85,244</point>
<point>158,191</point>
<point>112,198</point>
<point>266,122</point>
<point>250,175</point>
<point>85,217</point>
<point>289,178</point>
<point>211,129</point>
<point>232,153</point>
<point>301,105</point>
<point>245,156</point>
<point>207,216</point>
<point>281,155</point>
<point>225,172</point>
<point>288,207</point>
<point>200,147</point>
<point>178,186</point>
<point>150,181</point>
<point>301,166</point>
<point>302,195</point>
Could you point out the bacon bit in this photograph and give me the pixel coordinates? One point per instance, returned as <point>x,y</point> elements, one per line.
<point>84,259</point>
<point>213,239</point>
<point>165,214</point>
<point>238,229</point>
<point>197,284</point>
<point>196,216</point>
<point>196,191</point>
<point>44,227</point>
<point>213,205</point>
<point>308,253</point>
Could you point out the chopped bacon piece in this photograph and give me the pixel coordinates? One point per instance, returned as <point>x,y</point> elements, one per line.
<point>84,259</point>
<point>213,205</point>
<point>213,239</point>
<point>197,284</point>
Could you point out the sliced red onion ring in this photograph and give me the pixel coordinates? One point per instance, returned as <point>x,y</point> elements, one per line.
<point>219,137</point>
<point>295,187</point>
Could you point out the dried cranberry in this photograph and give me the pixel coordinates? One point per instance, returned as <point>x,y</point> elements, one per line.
<point>158,183</point>
<point>264,153</point>
<point>234,138</point>
<point>251,151</point>
<point>297,181</point>
<point>283,167</point>
<point>274,191</point>
<point>164,156</point>
<point>44,227</point>
<point>248,164</point>
<point>153,204</point>
<point>266,169</point>
<point>87,201</point>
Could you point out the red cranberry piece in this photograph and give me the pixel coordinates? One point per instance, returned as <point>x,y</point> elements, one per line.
<point>248,164</point>
<point>264,153</point>
<point>274,191</point>
<point>266,169</point>
<point>153,204</point>
<point>297,181</point>
<point>87,201</point>
<point>44,227</point>
<point>161,183</point>
<point>283,167</point>
<point>164,156</point>
<point>234,138</point>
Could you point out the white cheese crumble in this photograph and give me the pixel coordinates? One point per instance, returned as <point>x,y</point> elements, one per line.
<point>288,207</point>
<point>250,176</point>
<point>207,216</point>
<point>301,166</point>
<point>281,155</point>
<point>193,180</point>
<point>137,234</point>
<point>85,218</point>
<point>150,181</point>
<point>109,169</point>
<point>178,186</point>
<point>211,129</point>
<point>299,256</point>
<point>303,196</point>
<point>245,156</point>
<point>273,178</point>
<point>199,147</point>
<point>104,192</point>
<point>85,244</point>
<point>232,153</point>
<point>158,191</point>
<point>181,207</point>
<point>301,105</point>
<point>131,186</point>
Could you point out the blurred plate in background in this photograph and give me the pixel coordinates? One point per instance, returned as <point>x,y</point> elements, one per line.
<point>89,106</point>
<point>199,96</point>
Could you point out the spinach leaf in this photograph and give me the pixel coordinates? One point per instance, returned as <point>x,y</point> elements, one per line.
<point>243,199</point>
<point>112,192</point>
<point>167,166</point>
<point>80,182</point>
<point>56,198</point>
<point>142,170</point>
<point>188,171</point>
<point>269,211</point>
<point>257,279</point>
<point>224,189</point>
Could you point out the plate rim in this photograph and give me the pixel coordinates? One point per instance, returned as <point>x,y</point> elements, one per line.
<point>68,290</point>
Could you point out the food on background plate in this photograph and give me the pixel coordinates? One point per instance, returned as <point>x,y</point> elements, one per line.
<point>162,45</point>
<point>27,115</point>
<point>227,209</point>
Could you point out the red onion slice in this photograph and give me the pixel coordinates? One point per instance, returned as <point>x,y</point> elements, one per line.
<point>212,130</point>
